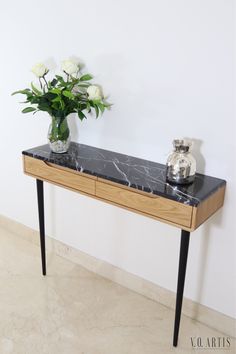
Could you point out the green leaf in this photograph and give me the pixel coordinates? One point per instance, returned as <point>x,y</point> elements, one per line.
<point>88,107</point>
<point>23,92</point>
<point>55,105</point>
<point>44,105</point>
<point>86,77</point>
<point>107,105</point>
<point>34,99</point>
<point>81,115</point>
<point>60,78</point>
<point>48,96</point>
<point>68,94</point>
<point>96,110</point>
<point>101,106</point>
<point>62,103</point>
<point>83,85</point>
<point>35,90</point>
<point>55,100</point>
<point>55,90</point>
<point>28,109</point>
<point>53,82</point>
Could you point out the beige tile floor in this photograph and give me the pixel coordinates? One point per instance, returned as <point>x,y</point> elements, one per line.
<point>73,311</point>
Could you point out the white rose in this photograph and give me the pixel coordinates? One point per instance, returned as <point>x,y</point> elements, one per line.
<point>70,67</point>
<point>94,92</point>
<point>39,70</point>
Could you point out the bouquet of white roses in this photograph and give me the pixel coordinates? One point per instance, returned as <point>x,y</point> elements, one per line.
<point>61,96</point>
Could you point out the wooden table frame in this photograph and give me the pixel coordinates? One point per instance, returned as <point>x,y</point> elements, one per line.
<point>185,217</point>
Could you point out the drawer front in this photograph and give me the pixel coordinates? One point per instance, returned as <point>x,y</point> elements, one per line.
<point>159,207</point>
<point>60,176</point>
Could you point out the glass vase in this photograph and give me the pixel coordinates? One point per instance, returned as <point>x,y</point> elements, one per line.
<point>181,165</point>
<point>59,135</point>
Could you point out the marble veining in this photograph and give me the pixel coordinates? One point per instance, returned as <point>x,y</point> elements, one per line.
<point>134,172</point>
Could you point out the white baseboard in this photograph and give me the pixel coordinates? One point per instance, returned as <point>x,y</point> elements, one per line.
<point>196,311</point>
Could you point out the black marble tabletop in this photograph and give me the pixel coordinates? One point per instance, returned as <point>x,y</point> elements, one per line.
<point>136,173</point>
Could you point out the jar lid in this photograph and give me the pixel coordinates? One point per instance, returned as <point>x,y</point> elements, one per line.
<point>182,145</point>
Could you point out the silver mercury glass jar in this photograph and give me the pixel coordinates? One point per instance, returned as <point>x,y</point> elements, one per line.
<point>181,165</point>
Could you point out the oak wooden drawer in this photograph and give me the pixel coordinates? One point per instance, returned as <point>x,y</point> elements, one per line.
<point>162,208</point>
<point>59,175</point>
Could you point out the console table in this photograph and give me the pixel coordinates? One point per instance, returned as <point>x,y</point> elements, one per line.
<point>131,183</point>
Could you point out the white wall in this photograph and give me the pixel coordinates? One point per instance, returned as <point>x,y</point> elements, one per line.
<point>168,67</point>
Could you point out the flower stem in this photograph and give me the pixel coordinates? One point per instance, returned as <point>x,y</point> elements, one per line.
<point>40,84</point>
<point>45,81</point>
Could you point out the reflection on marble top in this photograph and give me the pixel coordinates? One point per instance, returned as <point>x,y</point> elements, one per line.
<point>136,173</point>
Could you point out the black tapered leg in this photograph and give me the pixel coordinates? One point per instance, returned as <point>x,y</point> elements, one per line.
<point>185,235</point>
<point>41,223</point>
